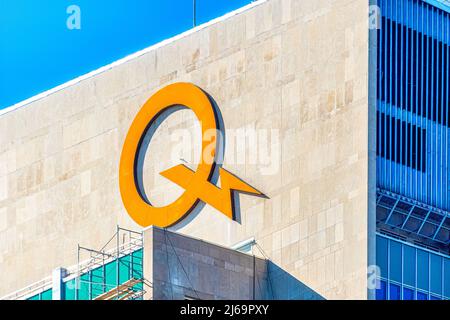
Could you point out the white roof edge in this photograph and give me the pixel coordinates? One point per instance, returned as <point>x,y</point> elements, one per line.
<point>441,4</point>
<point>128,58</point>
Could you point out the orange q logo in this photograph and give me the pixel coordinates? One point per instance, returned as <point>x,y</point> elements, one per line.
<point>199,184</point>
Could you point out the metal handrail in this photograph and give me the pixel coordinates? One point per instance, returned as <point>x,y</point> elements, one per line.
<point>29,291</point>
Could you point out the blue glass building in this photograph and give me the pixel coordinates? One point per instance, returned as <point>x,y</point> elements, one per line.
<point>413,183</point>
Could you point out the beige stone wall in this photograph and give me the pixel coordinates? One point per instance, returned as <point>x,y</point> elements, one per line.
<point>299,67</point>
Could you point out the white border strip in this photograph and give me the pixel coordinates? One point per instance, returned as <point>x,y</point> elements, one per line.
<point>129,57</point>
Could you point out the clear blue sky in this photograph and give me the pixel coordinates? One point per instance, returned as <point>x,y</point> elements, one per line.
<point>39,52</point>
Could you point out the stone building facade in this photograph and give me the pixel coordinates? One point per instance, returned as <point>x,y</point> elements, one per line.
<point>296,70</point>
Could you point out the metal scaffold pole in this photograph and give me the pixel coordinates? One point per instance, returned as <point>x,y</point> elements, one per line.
<point>117,261</point>
<point>77,281</point>
<point>107,264</point>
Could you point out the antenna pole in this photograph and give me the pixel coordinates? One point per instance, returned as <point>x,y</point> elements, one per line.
<point>194,13</point>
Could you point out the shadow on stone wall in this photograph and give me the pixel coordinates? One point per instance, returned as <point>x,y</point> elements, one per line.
<point>281,285</point>
<point>184,267</point>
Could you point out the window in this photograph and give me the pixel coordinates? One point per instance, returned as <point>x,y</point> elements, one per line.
<point>446,276</point>
<point>245,246</point>
<point>394,139</point>
<point>422,296</point>
<point>44,295</point>
<point>381,291</point>
<point>408,294</point>
<point>422,269</point>
<point>413,103</point>
<point>394,292</point>
<point>410,273</point>
<point>382,252</point>
<point>395,261</point>
<point>103,278</point>
<point>436,274</point>
<point>408,62</point>
<point>409,265</point>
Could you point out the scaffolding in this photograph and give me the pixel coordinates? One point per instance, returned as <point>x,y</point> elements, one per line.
<point>122,244</point>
